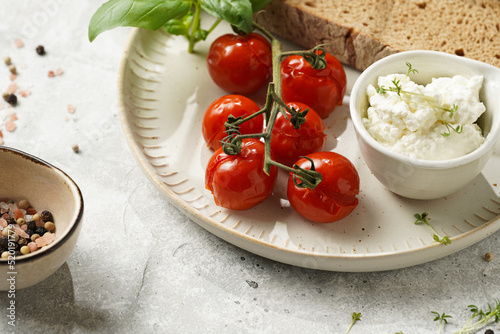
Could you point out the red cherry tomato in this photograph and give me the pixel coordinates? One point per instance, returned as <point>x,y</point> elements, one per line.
<point>217,112</point>
<point>335,197</point>
<point>238,181</point>
<point>240,64</point>
<point>321,90</point>
<point>289,144</point>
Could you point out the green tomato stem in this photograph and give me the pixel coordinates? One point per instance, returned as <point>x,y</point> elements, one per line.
<point>310,178</point>
<point>195,26</point>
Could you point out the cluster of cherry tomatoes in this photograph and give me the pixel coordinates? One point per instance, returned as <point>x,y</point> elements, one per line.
<point>242,65</point>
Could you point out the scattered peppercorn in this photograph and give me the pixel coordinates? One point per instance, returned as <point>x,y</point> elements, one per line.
<point>76,148</point>
<point>6,232</point>
<point>40,50</point>
<point>12,69</point>
<point>489,331</point>
<point>46,216</point>
<point>24,204</point>
<point>4,242</point>
<point>11,99</point>
<point>40,230</point>
<point>35,236</point>
<point>488,257</point>
<point>32,225</point>
<point>7,61</point>
<point>49,226</point>
<point>25,250</point>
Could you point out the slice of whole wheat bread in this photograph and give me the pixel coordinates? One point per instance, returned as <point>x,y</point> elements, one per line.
<point>360,32</point>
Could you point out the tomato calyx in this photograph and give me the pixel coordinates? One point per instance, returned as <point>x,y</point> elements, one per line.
<point>306,178</point>
<point>316,56</point>
<point>298,116</point>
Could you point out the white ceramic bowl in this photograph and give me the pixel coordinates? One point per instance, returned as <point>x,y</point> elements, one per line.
<point>23,176</point>
<point>417,178</point>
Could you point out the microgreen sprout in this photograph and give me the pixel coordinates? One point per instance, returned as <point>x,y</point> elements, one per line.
<point>355,317</point>
<point>458,129</point>
<point>410,69</point>
<point>398,89</point>
<point>422,218</point>
<point>480,318</point>
<point>441,318</point>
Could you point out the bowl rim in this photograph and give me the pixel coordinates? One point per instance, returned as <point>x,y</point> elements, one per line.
<point>359,88</point>
<point>74,225</point>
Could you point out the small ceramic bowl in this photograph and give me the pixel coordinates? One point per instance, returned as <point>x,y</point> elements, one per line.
<point>417,178</point>
<point>23,176</point>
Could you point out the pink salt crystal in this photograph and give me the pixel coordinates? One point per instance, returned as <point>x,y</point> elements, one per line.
<point>10,126</point>
<point>24,93</point>
<point>3,222</point>
<point>21,233</point>
<point>59,71</point>
<point>51,74</point>
<point>13,87</point>
<point>13,117</point>
<point>19,43</point>
<point>1,141</point>
<point>45,240</point>
<point>71,108</point>
<point>13,77</point>
<point>24,227</point>
<point>32,246</point>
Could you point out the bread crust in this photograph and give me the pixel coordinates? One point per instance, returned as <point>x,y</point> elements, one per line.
<point>359,33</point>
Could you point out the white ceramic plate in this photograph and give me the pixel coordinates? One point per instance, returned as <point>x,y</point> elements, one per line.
<point>164,92</point>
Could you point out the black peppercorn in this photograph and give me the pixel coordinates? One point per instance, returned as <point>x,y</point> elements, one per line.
<point>10,221</point>
<point>11,99</point>
<point>40,231</point>
<point>47,216</point>
<point>40,50</point>
<point>31,226</point>
<point>489,331</point>
<point>4,242</point>
<point>30,232</point>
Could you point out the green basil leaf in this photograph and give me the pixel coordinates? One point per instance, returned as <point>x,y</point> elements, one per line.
<point>259,4</point>
<point>237,12</point>
<point>179,26</point>
<point>148,14</point>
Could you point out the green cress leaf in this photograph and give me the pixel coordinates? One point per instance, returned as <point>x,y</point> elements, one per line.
<point>238,13</point>
<point>148,14</point>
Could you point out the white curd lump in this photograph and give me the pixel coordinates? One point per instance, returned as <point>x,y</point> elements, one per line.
<point>413,123</point>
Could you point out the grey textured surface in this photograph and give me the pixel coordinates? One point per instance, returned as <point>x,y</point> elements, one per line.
<point>142,266</point>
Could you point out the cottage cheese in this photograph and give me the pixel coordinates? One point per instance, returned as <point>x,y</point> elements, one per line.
<point>413,123</point>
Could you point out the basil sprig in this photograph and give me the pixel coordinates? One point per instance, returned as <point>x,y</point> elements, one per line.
<point>178,17</point>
